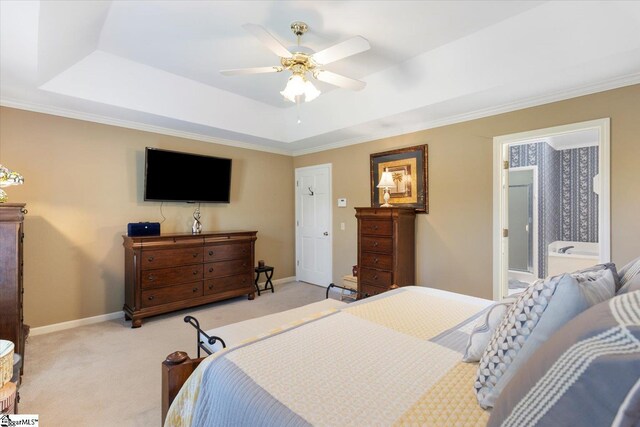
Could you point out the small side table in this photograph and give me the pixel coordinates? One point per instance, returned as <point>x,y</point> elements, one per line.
<point>350,282</point>
<point>268,272</point>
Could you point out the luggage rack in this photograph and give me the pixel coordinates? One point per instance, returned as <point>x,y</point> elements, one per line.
<point>211,340</point>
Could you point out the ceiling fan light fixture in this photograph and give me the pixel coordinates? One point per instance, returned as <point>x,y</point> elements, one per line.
<point>310,92</point>
<point>298,86</point>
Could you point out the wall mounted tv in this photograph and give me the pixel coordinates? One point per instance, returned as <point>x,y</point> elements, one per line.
<point>184,177</point>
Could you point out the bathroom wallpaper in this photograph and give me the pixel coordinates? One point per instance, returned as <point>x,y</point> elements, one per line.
<point>567,205</point>
<point>579,202</point>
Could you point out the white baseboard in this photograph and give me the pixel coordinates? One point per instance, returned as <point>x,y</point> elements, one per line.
<point>279,281</point>
<point>74,323</point>
<point>110,316</point>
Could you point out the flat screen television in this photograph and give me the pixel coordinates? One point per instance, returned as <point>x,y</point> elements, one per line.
<point>184,177</point>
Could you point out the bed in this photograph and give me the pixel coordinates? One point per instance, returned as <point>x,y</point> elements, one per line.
<point>564,351</point>
<point>378,361</point>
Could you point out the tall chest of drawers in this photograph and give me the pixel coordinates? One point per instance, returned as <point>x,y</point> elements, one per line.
<point>386,248</point>
<point>175,271</point>
<point>12,327</point>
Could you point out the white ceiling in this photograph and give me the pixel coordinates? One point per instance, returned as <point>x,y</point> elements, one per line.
<point>154,65</point>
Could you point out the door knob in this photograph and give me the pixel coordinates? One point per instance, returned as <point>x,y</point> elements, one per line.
<point>326,233</point>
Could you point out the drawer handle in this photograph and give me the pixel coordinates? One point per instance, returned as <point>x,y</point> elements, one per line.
<point>210,269</point>
<point>195,272</point>
<point>195,254</point>
<point>375,244</point>
<point>375,260</point>
<point>210,253</point>
<point>210,286</point>
<point>244,264</point>
<point>375,277</point>
<point>195,289</point>
<point>150,259</point>
<point>150,298</point>
<point>152,277</point>
<point>375,227</point>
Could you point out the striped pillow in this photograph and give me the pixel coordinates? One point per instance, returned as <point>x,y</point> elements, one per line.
<point>629,271</point>
<point>587,374</point>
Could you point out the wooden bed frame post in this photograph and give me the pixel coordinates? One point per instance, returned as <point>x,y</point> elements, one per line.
<point>176,368</point>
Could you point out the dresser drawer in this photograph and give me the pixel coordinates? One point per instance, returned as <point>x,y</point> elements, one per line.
<point>171,276</point>
<point>170,257</point>
<point>228,251</point>
<point>377,227</point>
<point>370,290</point>
<point>375,277</point>
<point>226,268</point>
<point>228,283</point>
<point>376,244</point>
<point>372,260</point>
<point>169,294</point>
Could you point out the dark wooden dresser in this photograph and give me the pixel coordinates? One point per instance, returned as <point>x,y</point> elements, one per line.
<point>175,271</point>
<point>12,327</point>
<point>386,248</point>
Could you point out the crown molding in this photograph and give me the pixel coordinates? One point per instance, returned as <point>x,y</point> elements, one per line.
<point>563,95</point>
<point>601,86</point>
<point>97,118</point>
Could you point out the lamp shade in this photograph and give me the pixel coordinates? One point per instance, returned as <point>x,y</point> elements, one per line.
<point>7,178</point>
<point>386,180</point>
<point>298,85</point>
<point>6,361</point>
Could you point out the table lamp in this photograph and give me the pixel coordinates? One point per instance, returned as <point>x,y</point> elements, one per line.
<point>386,182</point>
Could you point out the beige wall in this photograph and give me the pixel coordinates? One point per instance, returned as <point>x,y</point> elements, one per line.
<point>84,183</point>
<point>454,246</point>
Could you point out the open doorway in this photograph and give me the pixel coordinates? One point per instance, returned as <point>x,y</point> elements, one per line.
<point>551,203</point>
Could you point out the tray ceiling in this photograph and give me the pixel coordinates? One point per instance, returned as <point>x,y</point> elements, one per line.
<point>154,64</point>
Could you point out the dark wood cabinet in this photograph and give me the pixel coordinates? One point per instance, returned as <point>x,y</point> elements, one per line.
<point>12,325</point>
<point>386,248</point>
<point>174,271</point>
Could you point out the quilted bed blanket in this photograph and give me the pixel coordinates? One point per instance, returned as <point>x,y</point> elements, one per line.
<point>393,359</point>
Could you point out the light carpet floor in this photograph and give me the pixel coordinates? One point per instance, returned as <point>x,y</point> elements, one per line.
<point>108,374</point>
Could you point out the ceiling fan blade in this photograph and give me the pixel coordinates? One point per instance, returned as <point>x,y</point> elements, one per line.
<point>245,71</point>
<point>268,40</point>
<point>339,80</point>
<point>336,52</point>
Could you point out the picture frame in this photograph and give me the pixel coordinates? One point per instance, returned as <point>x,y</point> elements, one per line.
<point>409,168</point>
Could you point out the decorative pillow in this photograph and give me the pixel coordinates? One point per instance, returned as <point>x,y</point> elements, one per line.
<point>484,327</point>
<point>631,285</point>
<point>540,310</point>
<point>596,271</point>
<point>588,373</point>
<point>629,271</point>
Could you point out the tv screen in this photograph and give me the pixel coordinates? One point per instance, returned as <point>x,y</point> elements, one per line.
<point>184,177</point>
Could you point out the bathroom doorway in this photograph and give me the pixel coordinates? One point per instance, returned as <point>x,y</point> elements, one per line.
<point>551,203</point>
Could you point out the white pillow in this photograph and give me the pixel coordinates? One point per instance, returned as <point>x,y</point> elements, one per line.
<point>484,327</point>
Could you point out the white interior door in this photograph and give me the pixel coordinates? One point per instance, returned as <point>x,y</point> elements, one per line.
<point>313,225</point>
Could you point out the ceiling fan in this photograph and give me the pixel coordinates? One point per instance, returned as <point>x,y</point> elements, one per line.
<point>303,62</point>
